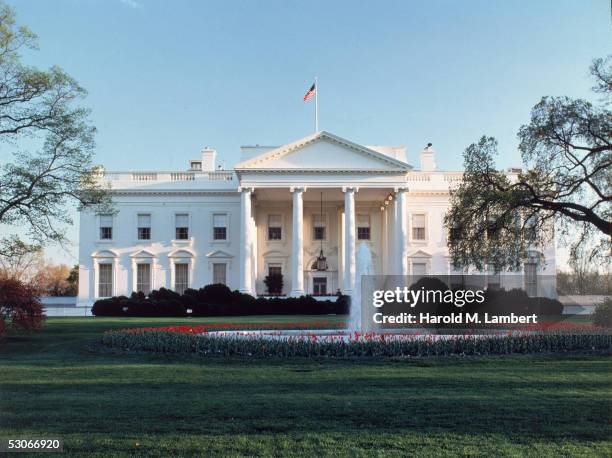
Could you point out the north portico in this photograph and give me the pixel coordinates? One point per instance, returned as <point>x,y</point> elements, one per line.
<point>297,180</point>
<point>299,210</point>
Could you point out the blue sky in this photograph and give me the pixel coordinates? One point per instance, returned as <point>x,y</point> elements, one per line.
<point>166,78</point>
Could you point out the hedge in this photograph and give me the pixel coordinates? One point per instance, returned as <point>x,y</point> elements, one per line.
<point>205,345</point>
<point>213,300</point>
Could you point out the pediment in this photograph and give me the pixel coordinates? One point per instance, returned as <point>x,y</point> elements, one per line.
<point>323,152</point>
<point>142,254</point>
<point>274,254</point>
<point>181,253</point>
<point>419,254</point>
<point>104,254</point>
<point>219,254</point>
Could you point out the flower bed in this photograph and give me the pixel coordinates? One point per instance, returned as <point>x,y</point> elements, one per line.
<point>191,341</point>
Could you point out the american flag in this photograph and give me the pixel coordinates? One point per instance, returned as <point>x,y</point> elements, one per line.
<point>311,92</point>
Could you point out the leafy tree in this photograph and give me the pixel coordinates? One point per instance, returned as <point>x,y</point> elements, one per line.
<point>51,140</point>
<point>73,281</point>
<point>501,219</point>
<point>19,307</point>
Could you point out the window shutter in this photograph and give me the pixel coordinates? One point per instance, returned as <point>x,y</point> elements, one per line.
<point>144,220</point>
<point>274,221</point>
<point>182,220</point>
<point>219,220</point>
<point>363,220</point>
<point>106,220</point>
<point>418,221</point>
<point>318,220</point>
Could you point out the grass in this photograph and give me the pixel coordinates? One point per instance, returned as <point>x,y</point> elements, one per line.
<point>51,385</point>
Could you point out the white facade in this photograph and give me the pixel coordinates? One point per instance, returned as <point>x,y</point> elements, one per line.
<point>193,228</point>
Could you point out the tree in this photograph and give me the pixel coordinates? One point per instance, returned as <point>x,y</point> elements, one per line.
<point>566,188</point>
<point>19,260</point>
<point>53,167</point>
<point>73,282</point>
<point>19,307</point>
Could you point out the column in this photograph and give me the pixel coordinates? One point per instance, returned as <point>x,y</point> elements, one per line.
<point>349,239</point>
<point>297,242</point>
<point>402,229</point>
<point>246,285</point>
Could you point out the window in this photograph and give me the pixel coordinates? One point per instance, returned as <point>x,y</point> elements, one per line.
<point>144,226</point>
<point>196,165</point>
<point>181,277</point>
<point>143,278</point>
<point>182,226</point>
<point>363,227</point>
<point>220,227</point>
<point>275,269</point>
<point>531,278</point>
<point>275,230</point>
<point>455,233</point>
<point>531,228</point>
<point>106,227</point>
<point>319,286</point>
<point>105,280</point>
<point>493,277</point>
<point>220,273</point>
<point>491,229</point>
<point>419,268</point>
<point>319,223</point>
<point>418,227</point>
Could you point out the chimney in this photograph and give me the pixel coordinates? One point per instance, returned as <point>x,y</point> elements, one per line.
<point>428,159</point>
<point>209,158</point>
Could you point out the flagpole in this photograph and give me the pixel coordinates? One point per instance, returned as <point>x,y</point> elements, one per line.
<point>316,104</point>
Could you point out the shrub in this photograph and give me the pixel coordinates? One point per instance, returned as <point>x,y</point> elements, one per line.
<point>274,283</point>
<point>213,300</point>
<point>602,316</point>
<point>19,307</point>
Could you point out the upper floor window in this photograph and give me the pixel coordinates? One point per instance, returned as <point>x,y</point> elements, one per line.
<point>363,227</point>
<point>220,227</point>
<point>182,226</point>
<point>418,227</point>
<point>196,165</point>
<point>275,227</point>
<point>455,233</point>
<point>106,227</point>
<point>319,224</point>
<point>144,226</point>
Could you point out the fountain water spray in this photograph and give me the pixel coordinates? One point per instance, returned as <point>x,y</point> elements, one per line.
<point>364,267</point>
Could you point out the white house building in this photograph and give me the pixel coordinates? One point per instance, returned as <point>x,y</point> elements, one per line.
<point>273,213</point>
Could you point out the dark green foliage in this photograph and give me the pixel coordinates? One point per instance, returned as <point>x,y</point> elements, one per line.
<point>213,300</point>
<point>274,283</point>
<point>603,314</point>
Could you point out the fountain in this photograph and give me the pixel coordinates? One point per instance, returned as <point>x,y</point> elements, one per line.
<point>364,267</point>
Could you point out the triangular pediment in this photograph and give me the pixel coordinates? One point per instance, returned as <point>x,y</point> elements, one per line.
<point>219,254</point>
<point>323,152</point>
<point>420,254</point>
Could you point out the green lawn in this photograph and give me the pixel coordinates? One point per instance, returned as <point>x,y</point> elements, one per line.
<point>119,405</point>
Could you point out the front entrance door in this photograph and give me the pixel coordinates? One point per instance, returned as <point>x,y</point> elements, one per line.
<point>319,286</point>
